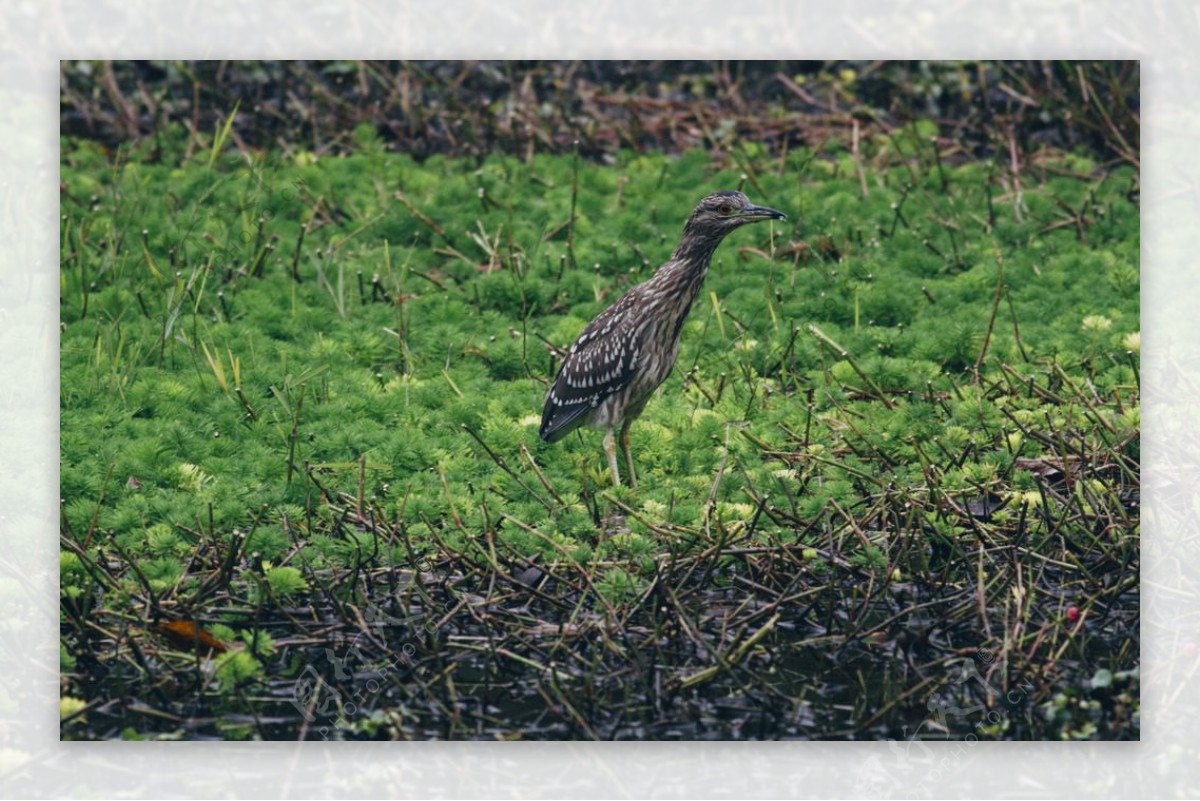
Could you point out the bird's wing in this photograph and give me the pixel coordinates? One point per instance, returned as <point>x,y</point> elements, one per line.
<point>600,363</point>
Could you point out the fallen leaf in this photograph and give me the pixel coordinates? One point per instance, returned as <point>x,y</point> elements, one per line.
<point>187,635</point>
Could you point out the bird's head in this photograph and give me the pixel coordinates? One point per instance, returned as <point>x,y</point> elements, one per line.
<point>721,212</point>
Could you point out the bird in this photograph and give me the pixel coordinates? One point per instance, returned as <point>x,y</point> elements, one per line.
<point>628,350</point>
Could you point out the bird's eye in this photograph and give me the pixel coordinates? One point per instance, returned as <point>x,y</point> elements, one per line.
<point>725,209</point>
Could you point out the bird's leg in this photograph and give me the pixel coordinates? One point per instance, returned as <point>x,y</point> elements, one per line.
<point>628,454</point>
<point>610,447</point>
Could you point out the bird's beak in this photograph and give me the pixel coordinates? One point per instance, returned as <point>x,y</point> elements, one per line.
<point>750,213</point>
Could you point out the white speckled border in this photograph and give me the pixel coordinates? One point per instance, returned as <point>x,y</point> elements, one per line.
<point>35,35</point>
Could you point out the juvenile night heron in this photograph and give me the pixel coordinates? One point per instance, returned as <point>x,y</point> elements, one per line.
<point>629,349</point>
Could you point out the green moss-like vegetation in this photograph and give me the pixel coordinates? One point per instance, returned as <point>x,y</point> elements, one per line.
<point>249,350</point>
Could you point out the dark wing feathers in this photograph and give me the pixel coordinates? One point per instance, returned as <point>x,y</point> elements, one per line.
<point>599,364</point>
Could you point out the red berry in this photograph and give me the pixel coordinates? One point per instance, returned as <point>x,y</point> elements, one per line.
<point>1072,614</point>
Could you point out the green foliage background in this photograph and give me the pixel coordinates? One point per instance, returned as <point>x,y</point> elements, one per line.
<point>156,299</point>
<point>828,361</point>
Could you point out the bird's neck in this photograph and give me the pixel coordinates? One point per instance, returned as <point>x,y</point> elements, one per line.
<point>680,278</point>
<point>684,272</point>
<point>696,250</point>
